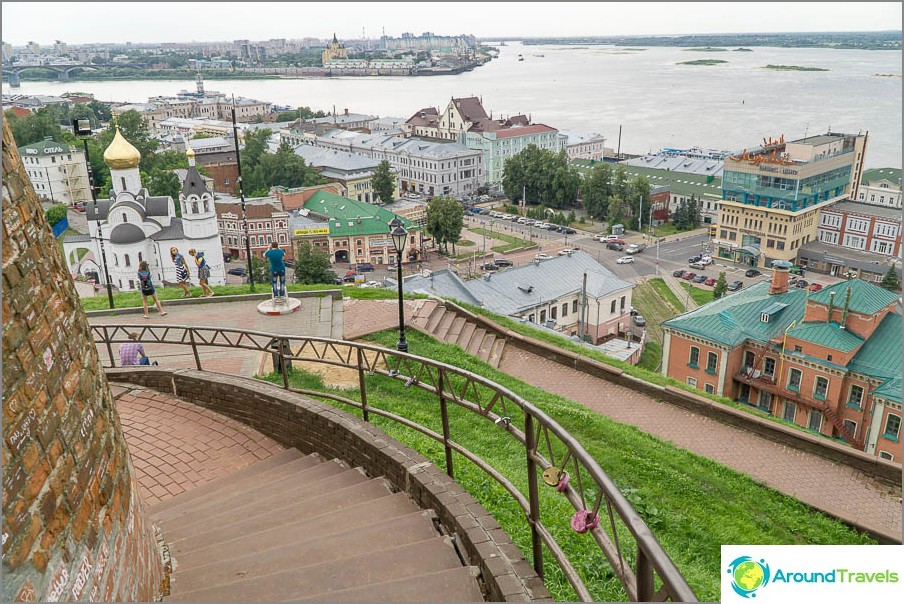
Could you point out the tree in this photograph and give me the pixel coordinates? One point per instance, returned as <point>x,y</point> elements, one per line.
<point>596,191</point>
<point>55,213</point>
<point>33,128</point>
<point>312,265</point>
<point>541,175</point>
<point>721,286</point>
<point>445,220</point>
<point>163,183</point>
<point>135,130</point>
<point>614,212</point>
<point>101,111</point>
<point>283,168</point>
<point>383,182</point>
<point>891,281</point>
<point>260,268</point>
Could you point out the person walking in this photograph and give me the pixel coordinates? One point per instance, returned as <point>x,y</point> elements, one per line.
<point>203,272</point>
<point>181,271</point>
<point>131,353</point>
<point>277,270</point>
<point>147,288</point>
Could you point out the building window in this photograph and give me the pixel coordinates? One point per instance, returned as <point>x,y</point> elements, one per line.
<point>612,309</point>
<point>692,382</point>
<point>712,359</point>
<point>789,411</point>
<point>710,389</point>
<point>125,217</point>
<point>565,309</point>
<point>794,377</point>
<point>886,455</point>
<point>140,258</point>
<point>851,427</point>
<point>769,366</point>
<point>553,312</point>
<point>798,349</point>
<point>127,260</point>
<point>822,387</point>
<point>765,400</point>
<point>814,421</point>
<point>695,357</point>
<point>892,427</point>
<point>621,304</point>
<point>542,317</point>
<point>855,397</point>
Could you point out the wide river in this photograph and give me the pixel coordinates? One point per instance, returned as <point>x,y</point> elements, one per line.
<point>657,102</point>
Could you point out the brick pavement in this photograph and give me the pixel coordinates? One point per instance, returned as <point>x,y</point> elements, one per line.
<point>176,446</point>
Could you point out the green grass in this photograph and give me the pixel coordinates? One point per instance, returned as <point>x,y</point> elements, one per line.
<point>699,295</point>
<point>650,302</point>
<point>500,236</point>
<point>133,299</point>
<point>703,62</point>
<point>665,292</point>
<point>794,68</point>
<point>692,504</point>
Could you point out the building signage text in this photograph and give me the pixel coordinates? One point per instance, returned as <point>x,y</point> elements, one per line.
<point>305,232</point>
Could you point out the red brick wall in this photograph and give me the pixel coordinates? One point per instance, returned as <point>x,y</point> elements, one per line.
<point>74,525</point>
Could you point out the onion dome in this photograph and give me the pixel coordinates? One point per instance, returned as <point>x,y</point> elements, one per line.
<point>121,155</point>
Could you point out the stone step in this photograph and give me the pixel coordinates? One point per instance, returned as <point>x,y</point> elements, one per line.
<point>443,328</point>
<point>229,489</point>
<point>202,491</point>
<point>455,330</point>
<point>422,312</point>
<point>496,352</point>
<point>246,564</point>
<point>465,336</point>
<point>486,346</point>
<point>410,560</point>
<point>297,531</point>
<point>476,338</point>
<point>453,585</point>
<point>330,502</point>
<point>249,506</point>
<point>435,317</point>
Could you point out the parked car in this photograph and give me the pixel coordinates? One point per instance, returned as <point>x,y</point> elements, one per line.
<point>79,206</point>
<point>365,267</point>
<point>611,237</point>
<point>490,266</point>
<point>752,273</point>
<point>634,311</point>
<point>735,286</point>
<point>679,273</point>
<point>349,278</point>
<point>705,260</point>
<point>542,256</point>
<point>710,281</point>
<point>570,231</point>
<point>694,259</point>
<point>238,272</point>
<point>639,320</point>
<point>689,276</point>
<point>503,262</point>
<point>699,278</point>
<point>801,283</point>
<point>567,251</point>
<point>612,245</point>
<point>815,287</point>
<point>372,284</point>
<point>625,260</point>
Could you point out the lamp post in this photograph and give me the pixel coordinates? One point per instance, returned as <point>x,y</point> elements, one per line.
<point>399,238</point>
<point>238,164</point>
<point>82,128</point>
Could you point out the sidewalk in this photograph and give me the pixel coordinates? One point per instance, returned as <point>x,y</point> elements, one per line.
<point>675,285</point>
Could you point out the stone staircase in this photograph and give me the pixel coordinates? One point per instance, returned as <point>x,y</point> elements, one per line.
<point>431,316</point>
<point>298,528</point>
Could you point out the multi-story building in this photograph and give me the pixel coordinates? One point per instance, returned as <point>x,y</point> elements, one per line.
<point>466,121</point>
<point>427,167</point>
<point>829,361</point>
<point>586,146</point>
<point>354,172</point>
<point>881,187</point>
<point>57,171</point>
<point>192,105</point>
<point>267,222</point>
<point>772,195</point>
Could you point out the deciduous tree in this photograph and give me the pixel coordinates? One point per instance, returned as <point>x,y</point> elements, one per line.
<point>312,265</point>
<point>383,182</point>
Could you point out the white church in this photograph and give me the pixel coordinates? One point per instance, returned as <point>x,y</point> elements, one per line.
<point>136,226</point>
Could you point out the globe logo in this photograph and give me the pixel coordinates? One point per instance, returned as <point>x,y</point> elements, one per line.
<point>748,575</point>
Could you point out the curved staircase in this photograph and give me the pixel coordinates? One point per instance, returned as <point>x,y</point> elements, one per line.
<point>296,527</point>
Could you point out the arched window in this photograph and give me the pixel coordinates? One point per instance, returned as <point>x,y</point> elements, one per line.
<point>115,260</point>
<point>127,260</point>
<point>140,259</point>
<point>123,179</point>
<point>206,206</point>
<point>125,217</point>
<point>194,207</point>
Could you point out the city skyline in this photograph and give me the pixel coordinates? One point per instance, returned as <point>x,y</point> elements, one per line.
<point>44,22</point>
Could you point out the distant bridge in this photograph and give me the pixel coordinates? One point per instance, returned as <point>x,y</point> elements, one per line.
<point>11,72</point>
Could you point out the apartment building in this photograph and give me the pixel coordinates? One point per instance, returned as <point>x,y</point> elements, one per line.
<point>881,187</point>
<point>57,171</point>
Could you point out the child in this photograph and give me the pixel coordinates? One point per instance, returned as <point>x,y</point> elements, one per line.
<point>203,272</point>
<point>147,288</point>
<point>181,271</point>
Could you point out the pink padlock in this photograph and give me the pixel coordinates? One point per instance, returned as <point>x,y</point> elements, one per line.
<point>584,520</point>
<point>562,486</point>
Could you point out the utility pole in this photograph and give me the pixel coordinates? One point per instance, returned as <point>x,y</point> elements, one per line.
<point>238,163</point>
<point>657,256</point>
<point>583,326</point>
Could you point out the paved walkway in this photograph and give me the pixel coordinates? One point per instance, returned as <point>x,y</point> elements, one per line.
<point>176,446</point>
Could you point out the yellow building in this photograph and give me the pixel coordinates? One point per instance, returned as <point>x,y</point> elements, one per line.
<point>334,51</point>
<point>772,196</point>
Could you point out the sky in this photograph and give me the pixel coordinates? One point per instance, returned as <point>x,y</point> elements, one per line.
<point>148,22</point>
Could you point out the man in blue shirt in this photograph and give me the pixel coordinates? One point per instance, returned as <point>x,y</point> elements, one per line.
<point>277,270</point>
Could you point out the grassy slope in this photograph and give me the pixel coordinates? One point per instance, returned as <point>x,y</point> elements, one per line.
<point>692,504</point>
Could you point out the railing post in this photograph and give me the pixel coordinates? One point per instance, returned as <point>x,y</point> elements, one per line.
<point>194,348</point>
<point>645,586</point>
<point>362,387</point>
<point>533,493</point>
<point>109,347</point>
<point>283,364</point>
<point>444,411</point>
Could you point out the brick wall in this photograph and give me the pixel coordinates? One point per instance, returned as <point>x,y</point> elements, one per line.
<point>74,526</point>
<point>310,426</point>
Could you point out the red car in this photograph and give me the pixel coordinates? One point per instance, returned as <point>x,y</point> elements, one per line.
<point>689,276</point>
<point>815,287</point>
<point>710,281</point>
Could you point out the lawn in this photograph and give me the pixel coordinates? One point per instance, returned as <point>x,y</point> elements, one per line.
<point>655,307</point>
<point>667,228</point>
<point>692,504</point>
<point>700,296</point>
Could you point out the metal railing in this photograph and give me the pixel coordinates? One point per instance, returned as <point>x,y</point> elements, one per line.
<point>551,453</point>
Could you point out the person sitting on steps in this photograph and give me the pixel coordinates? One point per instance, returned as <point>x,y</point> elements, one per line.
<point>132,353</point>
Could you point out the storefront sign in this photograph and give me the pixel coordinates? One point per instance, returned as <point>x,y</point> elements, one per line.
<point>308,232</point>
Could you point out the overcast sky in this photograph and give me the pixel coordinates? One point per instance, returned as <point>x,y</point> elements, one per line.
<point>141,22</point>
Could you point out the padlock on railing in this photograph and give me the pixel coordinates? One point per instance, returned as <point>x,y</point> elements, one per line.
<point>584,520</point>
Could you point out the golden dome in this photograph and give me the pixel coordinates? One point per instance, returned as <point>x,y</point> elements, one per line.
<point>121,155</point>
<point>189,151</point>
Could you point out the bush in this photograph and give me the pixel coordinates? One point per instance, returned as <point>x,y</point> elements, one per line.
<point>56,213</point>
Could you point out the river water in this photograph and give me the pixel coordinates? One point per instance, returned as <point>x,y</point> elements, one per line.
<point>657,102</point>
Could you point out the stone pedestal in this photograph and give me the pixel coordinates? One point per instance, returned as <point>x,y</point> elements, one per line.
<point>278,306</point>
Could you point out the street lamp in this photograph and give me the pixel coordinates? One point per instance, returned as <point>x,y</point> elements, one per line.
<point>82,128</point>
<point>399,237</point>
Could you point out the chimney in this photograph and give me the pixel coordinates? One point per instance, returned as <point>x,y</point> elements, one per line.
<point>847,300</point>
<point>831,304</point>
<point>780,270</point>
<point>346,112</point>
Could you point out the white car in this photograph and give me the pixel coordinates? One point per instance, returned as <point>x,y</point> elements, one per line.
<point>542,257</point>
<point>625,260</point>
<point>372,284</point>
<point>566,251</point>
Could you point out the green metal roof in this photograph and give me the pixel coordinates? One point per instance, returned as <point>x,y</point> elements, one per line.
<point>349,217</point>
<point>874,174</point>
<point>881,355</point>
<point>681,183</point>
<point>866,298</point>
<point>890,390</point>
<point>829,335</point>
<point>44,148</point>
<point>737,317</point>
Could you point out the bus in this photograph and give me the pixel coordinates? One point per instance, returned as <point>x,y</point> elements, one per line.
<point>712,230</point>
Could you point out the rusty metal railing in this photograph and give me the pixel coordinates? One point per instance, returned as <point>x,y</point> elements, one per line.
<point>552,455</point>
